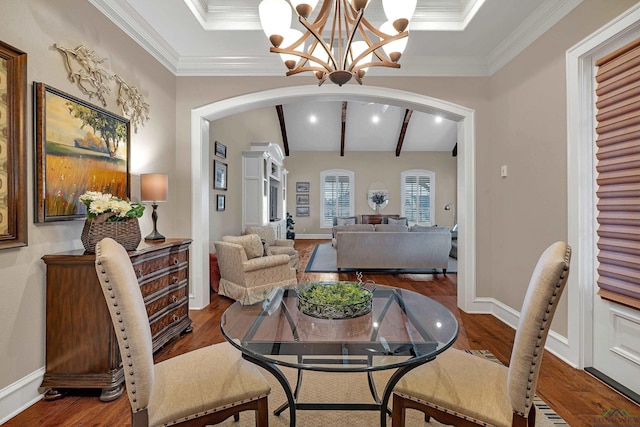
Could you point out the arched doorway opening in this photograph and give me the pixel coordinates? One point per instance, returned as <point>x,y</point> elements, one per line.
<point>201,116</point>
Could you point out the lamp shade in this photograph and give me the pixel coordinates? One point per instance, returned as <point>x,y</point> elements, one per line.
<point>275,17</point>
<point>154,187</point>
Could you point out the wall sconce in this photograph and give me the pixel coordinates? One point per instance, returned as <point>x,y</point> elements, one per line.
<point>154,187</point>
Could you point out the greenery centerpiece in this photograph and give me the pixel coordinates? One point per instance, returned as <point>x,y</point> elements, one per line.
<point>110,216</point>
<point>334,300</point>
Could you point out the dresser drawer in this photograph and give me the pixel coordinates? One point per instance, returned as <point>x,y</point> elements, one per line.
<point>152,286</point>
<point>178,294</point>
<point>146,266</point>
<point>163,322</point>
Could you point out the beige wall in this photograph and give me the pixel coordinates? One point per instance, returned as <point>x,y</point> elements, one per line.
<point>34,26</point>
<point>237,132</point>
<point>368,167</point>
<point>520,121</point>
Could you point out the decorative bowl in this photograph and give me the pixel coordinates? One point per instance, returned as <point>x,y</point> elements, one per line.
<point>334,300</point>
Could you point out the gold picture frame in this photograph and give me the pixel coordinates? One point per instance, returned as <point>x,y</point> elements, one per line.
<point>79,147</point>
<point>13,154</point>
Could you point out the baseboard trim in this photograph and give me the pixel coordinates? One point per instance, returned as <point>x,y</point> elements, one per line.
<point>18,396</point>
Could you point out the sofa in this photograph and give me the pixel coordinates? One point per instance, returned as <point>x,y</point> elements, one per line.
<point>391,246</point>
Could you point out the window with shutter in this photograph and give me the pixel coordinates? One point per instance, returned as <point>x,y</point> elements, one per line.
<point>418,194</point>
<point>337,195</point>
<point>618,175</point>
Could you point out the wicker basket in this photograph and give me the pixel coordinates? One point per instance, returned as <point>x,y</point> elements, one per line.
<point>127,233</point>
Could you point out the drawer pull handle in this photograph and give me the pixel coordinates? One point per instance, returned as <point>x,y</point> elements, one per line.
<point>175,317</point>
<point>175,261</point>
<point>174,298</point>
<point>139,272</point>
<point>174,279</point>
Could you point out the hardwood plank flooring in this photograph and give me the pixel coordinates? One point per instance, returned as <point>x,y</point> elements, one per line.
<point>575,395</point>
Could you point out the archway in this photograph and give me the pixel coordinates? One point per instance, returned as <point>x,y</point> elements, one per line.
<point>201,116</point>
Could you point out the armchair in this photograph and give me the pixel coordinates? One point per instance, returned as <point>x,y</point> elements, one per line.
<point>276,246</point>
<point>197,388</point>
<point>246,275</point>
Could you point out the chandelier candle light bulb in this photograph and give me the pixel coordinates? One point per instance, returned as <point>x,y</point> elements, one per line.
<point>353,43</point>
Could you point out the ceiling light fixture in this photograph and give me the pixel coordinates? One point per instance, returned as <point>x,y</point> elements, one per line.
<point>352,40</point>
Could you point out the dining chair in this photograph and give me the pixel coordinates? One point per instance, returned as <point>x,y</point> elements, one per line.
<point>465,390</point>
<point>201,387</point>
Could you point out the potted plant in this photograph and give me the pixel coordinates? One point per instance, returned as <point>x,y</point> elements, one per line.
<point>290,233</point>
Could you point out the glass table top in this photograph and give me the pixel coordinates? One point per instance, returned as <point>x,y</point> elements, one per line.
<point>402,328</point>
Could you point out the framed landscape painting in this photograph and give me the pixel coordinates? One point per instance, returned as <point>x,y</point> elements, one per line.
<point>13,149</point>
<point>79,147</point>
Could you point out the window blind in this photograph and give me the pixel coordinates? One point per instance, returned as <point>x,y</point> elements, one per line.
<point>417,198</point>
<point>618,175</point>
<point>337,197</point>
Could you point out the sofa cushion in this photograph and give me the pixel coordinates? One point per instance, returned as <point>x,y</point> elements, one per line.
<point>251,243</point>
<point>427,229</point>
<point>355,227</point>
<point>391,227</point>
<point>346,220</point>
<point>400,220</point>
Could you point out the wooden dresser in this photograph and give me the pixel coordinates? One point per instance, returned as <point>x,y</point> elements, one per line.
<point>82,350</point>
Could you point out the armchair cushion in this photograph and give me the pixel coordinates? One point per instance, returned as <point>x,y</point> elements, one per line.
<point>251,243</point>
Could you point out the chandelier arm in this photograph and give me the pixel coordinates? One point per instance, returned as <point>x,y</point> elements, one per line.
<point>312,29</point>
<point>305,55</point>
<point>352,33</point>
<point>375,64</point>
<point>374,48</point>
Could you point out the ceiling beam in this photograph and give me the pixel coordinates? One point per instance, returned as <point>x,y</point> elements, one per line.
<point>403,131</point>
<point>283,130</point>
<point>344,126</point>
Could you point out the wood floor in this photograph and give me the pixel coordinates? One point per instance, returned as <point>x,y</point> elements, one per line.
<point>573,394</point>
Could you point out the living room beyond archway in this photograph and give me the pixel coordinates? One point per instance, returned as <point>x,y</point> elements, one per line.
<point>200,118</point>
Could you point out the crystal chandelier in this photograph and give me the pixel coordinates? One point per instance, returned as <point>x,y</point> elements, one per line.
<point>346,47</point>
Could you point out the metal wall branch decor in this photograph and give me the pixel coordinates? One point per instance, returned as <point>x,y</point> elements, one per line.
<point>93,80</point>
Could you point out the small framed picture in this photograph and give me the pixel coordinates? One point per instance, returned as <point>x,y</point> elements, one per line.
<point>221,150</point>
<point>302,199</point>
<point>219,175</point>
<point>220,202</point>
<point>302,211</point>
<point>302,187</point>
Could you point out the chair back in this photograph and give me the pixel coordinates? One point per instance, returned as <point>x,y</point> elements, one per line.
<point>545,288</point>
<point>266,233</point>
<point>129,317</point>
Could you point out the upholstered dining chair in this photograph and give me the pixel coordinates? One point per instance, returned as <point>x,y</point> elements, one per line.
<point>460,389</point>
<point>201,387</point>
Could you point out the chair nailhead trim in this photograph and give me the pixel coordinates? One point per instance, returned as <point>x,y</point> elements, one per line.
<point>543,327</point>
<point>114,300</point>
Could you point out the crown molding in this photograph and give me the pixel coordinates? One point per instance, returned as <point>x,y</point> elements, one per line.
<point>542,19</point>
<point>134,25</point>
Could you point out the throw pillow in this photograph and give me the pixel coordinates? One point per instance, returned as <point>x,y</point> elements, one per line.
<point>250,242</point>
<point>399,221</point>
<point>346,220</point>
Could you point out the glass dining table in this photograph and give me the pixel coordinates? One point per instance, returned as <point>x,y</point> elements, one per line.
<point>403,330</point>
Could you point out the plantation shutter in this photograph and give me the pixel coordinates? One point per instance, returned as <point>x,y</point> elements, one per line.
<point>618,175</point>
<point>417,198</point>
<point>337,197</point>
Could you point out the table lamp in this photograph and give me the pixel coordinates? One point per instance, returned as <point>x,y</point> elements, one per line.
<point>154,187</point>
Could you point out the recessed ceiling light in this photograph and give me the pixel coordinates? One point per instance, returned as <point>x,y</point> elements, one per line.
<point>313,118</point>
<point>438,119</point>
<point>375,119</point>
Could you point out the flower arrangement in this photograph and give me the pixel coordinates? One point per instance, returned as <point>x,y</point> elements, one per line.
<point>379,197</point>
<point>98,203</point>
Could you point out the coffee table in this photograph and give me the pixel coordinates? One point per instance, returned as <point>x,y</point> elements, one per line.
<point>403,330</point>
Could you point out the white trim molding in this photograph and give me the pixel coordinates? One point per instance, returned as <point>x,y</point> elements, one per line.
<point>581,201</point>
<point>18,396</point>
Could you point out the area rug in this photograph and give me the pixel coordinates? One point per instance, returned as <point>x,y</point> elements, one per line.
<point>324,256</point>
<point>352,387</point>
